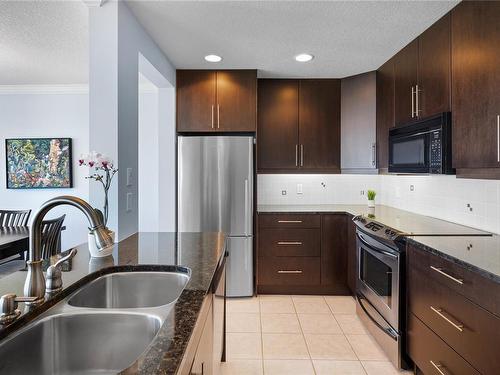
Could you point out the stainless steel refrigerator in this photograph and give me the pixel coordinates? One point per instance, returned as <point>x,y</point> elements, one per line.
<point>215,193</point>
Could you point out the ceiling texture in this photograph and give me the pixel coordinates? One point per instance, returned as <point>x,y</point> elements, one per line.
<point>43,42</point>
<point>46,42</point>
<point>345,37</point>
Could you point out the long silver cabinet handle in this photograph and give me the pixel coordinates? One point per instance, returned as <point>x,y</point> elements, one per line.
<point>296,155</point>
<point>298,243</point>
<point>438,368</point>
<point>498,138</point>
<point>440,271</point>
<point>290,271</point>
<point>417,109</point>
<point>212,116</point>
<point>290,221</point>
<point>301,155</point>
<point>218,116</point>
<point>457,326</point>
<point>374,154</point>
<point>412,102</point>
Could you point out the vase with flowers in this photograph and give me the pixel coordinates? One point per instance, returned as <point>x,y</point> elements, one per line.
<point>102,170</point>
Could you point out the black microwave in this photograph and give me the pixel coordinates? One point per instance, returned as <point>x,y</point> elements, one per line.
<point>423,146</point>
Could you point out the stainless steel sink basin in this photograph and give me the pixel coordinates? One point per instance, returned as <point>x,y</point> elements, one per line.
<point>79,343</point>
<point>130,290</point>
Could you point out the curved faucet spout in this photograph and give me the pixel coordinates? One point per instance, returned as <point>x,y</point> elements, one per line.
<point>35,281</point>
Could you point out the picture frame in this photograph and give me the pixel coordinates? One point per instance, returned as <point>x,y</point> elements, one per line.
<point>39,163</point>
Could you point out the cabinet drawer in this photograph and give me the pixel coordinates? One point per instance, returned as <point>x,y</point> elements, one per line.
<point>286,242</point>
<point>478,289</point>
<point>466,327</point>
<point>289,271</point>
<point>289,221</point>
<point>431,354</point>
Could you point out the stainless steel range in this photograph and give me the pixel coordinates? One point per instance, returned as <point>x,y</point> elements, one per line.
<point>379,285</point>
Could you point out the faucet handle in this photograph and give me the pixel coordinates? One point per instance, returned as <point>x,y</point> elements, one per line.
<point>8,307</point>
<point>53,282</point>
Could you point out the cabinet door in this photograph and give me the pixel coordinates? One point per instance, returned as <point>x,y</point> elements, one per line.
<point>385,112</point>
<point>203,360</point>
<point>236,100</point>
<point>434,69</point>
<point>352,257</point>
<point>475,85</point>
<point>405,80</point>
<point>277,125</point>
<point>196,100</point>
<point>319,125</point>
<point>334,252</point>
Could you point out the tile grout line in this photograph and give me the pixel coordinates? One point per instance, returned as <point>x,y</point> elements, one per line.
<point>304,337</point>
<point>261,338</point>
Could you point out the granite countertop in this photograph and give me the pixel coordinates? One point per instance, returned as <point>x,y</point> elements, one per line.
<point>480,254</point>
<point>200,252</point>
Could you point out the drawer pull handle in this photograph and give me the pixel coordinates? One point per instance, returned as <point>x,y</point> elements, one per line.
<point>438,368</point>
<point>440,270</point>
<point>459,326</point>
<point>290,271</point>
<point>289,221</point>
<point>298,243</point>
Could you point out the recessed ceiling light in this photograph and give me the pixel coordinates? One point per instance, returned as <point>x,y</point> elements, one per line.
<point>304,57</point>
<point>213,58</point>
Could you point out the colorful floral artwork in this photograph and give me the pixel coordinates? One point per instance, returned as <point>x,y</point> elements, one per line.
<point>39,163</point>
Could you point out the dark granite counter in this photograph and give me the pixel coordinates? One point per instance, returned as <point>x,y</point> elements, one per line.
<point>200,252</point>
<point>406,222</point>
<point>480,254</point>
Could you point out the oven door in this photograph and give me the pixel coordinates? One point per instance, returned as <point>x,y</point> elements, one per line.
<point>378,276</point>
<point>409,153</point>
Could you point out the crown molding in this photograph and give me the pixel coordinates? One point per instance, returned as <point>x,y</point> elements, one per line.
<point>44,89</point>
<point>94,3</point>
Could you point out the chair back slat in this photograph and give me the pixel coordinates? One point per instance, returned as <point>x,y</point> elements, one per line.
<point>51,236</point>
<point>14,218</point>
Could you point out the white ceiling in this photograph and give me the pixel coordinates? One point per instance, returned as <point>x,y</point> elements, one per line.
<point>346,37</point>
<point>43,42</point>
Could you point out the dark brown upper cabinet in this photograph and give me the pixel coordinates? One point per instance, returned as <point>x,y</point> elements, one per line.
<point>475,85</point>
<point>277,124</point>
<point>422,74</point>
<point>298,126</point>
<point>385,112</point>
<point>216,101</point>
<point>405,80</point>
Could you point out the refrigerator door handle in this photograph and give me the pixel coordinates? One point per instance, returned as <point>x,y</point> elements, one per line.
<point>246,207</point>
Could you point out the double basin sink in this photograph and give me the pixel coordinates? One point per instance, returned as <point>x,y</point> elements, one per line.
<point>102,328</point>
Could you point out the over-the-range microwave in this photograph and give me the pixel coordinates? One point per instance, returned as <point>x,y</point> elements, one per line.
<point>423,146</point>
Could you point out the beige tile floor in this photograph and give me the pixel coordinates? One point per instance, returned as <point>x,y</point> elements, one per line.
<point>300,335</point>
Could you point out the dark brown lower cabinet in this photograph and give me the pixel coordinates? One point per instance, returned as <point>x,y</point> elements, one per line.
<point>302,253</point>
<point>352,255</point>
<point>334,253</point>
<point>446,328</point>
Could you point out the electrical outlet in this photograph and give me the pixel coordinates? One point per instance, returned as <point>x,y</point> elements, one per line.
<point>129,176</point>
<point>412,188</point>
<point>323,184</point>
<point>362,192</point>
<point>299,188</point>
<point>129,202</point>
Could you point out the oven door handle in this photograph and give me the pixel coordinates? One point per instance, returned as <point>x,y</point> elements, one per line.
<point>388,330</point>
<point>363,241</point>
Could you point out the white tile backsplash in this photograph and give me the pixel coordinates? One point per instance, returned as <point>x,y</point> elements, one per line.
<point>474,203</point>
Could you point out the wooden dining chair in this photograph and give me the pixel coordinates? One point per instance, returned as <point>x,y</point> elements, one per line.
<point>51,236</point>
<point>14,218</point>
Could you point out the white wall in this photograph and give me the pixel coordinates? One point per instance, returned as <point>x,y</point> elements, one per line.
<point>444,197</point>
<point>47,113</point>
<point>116,42</point>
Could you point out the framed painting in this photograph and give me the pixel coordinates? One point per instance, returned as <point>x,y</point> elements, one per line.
<point>39,163</point>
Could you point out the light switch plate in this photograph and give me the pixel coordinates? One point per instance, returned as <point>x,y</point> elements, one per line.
<point>129,176</point>
<point>299,189</point>
<point>129,202</point>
